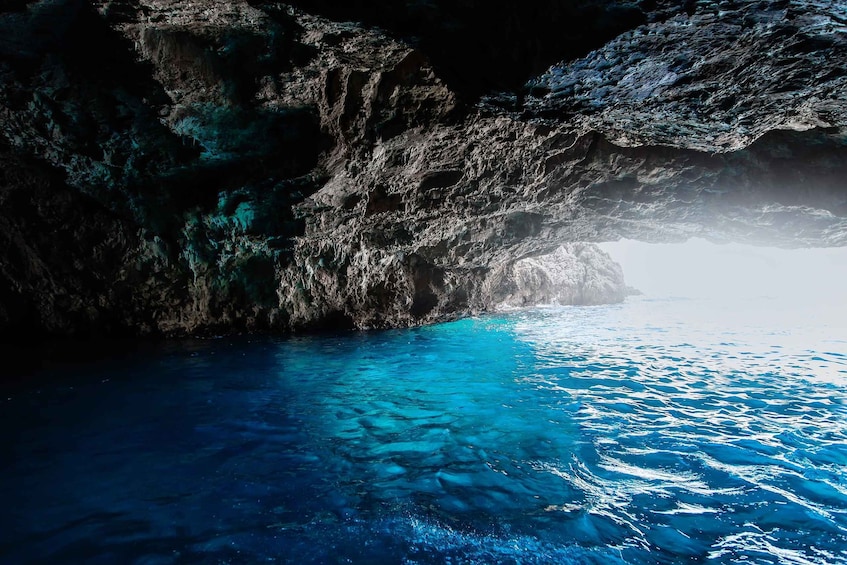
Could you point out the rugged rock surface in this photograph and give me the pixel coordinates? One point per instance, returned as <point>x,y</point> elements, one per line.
<point>575,274</point>
<point>245,165</point>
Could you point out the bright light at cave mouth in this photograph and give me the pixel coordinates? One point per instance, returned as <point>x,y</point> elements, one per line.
<point>746,278</point>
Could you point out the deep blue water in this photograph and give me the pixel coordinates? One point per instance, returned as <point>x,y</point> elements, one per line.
<point>648,432</point>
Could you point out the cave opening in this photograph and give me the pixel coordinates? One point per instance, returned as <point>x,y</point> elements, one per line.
<point>732,272</point>
<point>740,288</point>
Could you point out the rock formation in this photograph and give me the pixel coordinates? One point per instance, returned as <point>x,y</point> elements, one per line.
<point>193,167</point>
<point>574,274</point>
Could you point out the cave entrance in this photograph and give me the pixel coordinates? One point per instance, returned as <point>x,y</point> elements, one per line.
<point>804,285</point>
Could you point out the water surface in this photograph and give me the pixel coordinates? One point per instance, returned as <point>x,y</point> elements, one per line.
<point>647,432</point>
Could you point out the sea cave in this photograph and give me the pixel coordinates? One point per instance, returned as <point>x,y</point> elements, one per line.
<point>421,281</point>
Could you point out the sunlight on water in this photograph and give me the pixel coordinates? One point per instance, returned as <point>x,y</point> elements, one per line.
<point>719,423</point>
<point>653,431</point>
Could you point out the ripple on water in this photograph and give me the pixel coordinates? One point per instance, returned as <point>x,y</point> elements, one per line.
<point>559,435</point>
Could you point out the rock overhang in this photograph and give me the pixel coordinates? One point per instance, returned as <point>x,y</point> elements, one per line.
<point>380,193</point>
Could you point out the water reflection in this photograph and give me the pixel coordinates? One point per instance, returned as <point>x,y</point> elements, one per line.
<point>626,433</point>
<point>743,423</point>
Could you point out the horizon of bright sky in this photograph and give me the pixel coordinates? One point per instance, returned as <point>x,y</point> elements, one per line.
<point>700,269</point>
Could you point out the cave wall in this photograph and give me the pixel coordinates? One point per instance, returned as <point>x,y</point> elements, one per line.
<point>212,167</point>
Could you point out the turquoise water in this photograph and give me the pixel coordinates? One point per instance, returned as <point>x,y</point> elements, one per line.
<point>648,432</point>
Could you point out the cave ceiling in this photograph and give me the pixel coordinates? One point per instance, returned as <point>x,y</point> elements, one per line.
<point>260,164</point>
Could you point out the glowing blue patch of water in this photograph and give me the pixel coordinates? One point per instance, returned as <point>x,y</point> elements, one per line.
<point>619,434</point>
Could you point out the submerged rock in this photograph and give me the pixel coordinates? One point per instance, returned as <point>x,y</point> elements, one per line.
<point>252,165</point>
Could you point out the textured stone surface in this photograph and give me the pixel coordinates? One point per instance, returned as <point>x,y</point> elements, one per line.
<point>58,286</point>
<point>574,274</point>
<point>205,166</point>
<point>714,80</point>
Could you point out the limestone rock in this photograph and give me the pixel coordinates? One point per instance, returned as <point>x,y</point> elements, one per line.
<point>574,274</point>
<point>255,165</point>
<point>714,80</point>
